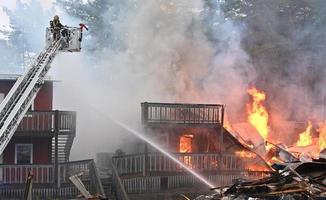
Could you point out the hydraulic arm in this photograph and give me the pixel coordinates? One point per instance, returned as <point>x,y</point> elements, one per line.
<point>22,94</point>
<point>20,97</point>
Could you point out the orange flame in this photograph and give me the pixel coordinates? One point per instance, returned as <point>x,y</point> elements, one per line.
<point>274,160</point>
<point>257,113</point>
<point>322,135</point>
<point>185,144</point>
<point>245,154</point>
<point>256,167</point>
<point>305,138</point>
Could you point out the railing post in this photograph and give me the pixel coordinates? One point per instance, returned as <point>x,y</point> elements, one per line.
<point>145,163</point>
<point>144,109</point>
<point>222,129</point>
<point>56,134</point>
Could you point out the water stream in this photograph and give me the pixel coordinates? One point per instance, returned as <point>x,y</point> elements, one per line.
<point>160,149</point>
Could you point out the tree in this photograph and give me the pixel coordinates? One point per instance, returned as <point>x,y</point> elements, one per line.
<point>92,14</point>
<point>28,24</point>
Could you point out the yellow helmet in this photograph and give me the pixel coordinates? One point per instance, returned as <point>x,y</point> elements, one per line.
<point>56,17</point>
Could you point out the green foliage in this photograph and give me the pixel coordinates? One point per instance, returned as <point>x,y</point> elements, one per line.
<point>26,36</point>
<point>92,14</point>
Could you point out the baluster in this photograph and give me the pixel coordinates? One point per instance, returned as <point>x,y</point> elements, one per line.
<point>170,115</point>
<point>155,164</point>
<point>164,163</point>
<point>175,114</point>
<point>136,164</point>
<point>160,162</point>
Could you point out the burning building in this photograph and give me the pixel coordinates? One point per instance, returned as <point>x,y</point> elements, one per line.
<point>193,134</point>
<point>200,137</point>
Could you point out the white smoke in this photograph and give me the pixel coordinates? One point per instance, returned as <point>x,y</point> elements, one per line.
<point>167,57</point>
<point>5,27</point>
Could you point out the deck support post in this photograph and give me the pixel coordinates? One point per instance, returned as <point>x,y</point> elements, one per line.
<point>222,148</point>
<point>56,134</point>
<point>145,164</point>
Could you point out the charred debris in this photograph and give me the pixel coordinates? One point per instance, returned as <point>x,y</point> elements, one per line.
<point>289,181</point>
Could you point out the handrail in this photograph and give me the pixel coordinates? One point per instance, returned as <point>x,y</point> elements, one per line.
<point>24,165</point>
<point>128,155</point>
<point>78,161</point>
<point>174,153</point>
<point>95,179</point>
<point>121,193</point>
<point>181,104</point>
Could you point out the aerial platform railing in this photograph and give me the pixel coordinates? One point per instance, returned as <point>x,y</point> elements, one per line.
<point>22,94</point>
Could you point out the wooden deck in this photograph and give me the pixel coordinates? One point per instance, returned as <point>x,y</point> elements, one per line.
<point>155,173</point>
<point>51,123</point>
<point>159,163</point>
<point>13,177</point>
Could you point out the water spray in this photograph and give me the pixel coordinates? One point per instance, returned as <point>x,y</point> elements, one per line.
<point>153,144</point>
<point>156,146</point>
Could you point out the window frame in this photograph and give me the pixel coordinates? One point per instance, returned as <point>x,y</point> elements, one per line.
<point>24,144</point>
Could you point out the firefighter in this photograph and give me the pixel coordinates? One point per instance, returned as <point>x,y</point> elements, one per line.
<point>57,27</point>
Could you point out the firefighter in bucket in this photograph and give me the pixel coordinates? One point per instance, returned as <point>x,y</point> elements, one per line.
<point>57,28</point>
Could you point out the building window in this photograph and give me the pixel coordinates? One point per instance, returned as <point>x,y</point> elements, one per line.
<point>23,153</point>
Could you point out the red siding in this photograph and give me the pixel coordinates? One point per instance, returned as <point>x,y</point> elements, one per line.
<point>41,145</point>
<point>44,98</point>
<point>41,149</point>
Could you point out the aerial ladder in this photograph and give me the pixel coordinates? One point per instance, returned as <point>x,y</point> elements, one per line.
<point>17,102</point>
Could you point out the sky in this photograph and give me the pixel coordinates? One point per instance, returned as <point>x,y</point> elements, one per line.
<point>11,5</point>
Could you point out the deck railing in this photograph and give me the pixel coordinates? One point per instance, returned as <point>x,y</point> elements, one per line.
<point>161,173</point>
<point>159,183</point>
<point>182,113</point>
<point>50,123</point>
<point>13,174</point>
<point>154,172</point>
<point>16,174</point>
<point>157,163</point>
<point>43,121</point>
<point>119,188</point>
<point>13,177</point>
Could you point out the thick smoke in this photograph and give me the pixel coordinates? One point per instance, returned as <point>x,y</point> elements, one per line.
<point>166,57</point>
<point>290,64</point>
<point>181,51</point>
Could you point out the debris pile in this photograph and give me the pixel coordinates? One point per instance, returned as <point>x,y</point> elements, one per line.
<point>292,181</point>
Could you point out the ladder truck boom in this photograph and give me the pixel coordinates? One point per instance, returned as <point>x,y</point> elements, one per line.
<point>16,103</point>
